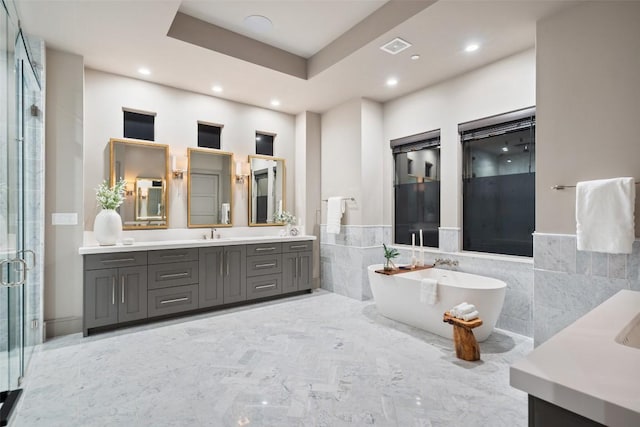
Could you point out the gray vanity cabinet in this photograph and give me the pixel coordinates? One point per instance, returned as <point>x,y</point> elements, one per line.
<point>222,275</point>
<point>297,262</point>
<point>114,295</point>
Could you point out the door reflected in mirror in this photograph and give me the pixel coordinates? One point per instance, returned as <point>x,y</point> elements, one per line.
<point>149,199</point>
<point>267,189</point>
<point>210,190</point>
<point>144,165</point>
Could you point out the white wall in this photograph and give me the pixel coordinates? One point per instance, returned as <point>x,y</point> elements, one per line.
<point>176,125</point>
<point>64,189</point>
<point>588,105</point>
<point>371,162</point>
<point>341,161</point>
<point>502,86</point>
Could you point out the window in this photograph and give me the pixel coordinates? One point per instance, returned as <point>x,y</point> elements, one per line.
<point>209,135</point>
<point>139,125</point>
<point>417,188</point>
<point>499,183</point>
<point>264,143</point>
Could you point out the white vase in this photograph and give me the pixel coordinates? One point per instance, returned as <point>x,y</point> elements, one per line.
<point>107,227</point>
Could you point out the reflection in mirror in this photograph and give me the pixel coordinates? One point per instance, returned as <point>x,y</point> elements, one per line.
<point>210,188</point>
<point>149,193</point>
<point>267,189</point>
<point>144,165</point>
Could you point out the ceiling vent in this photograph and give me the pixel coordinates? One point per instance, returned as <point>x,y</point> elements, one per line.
<point>396,46</point>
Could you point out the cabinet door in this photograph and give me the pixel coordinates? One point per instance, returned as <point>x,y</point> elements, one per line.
<point>305,270</point>
<point>100,295</point>
<point>132,293</point>
<point>235,275</point>
<point>211,276</point>
<point>289,272</point>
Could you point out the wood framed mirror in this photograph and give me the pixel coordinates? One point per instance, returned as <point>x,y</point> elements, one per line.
<point>266,189</point>
<point>144,165</point>
<point>209,188</point>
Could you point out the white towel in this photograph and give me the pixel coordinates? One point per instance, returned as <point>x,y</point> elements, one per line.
<point>226,208</point>
<point>335,209</point>
<point>429,291</point>
<point>470,316</point>
<point>462,309</point>
<point>604,215</point>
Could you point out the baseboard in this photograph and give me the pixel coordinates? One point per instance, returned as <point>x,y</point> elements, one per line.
<point>62,326</point>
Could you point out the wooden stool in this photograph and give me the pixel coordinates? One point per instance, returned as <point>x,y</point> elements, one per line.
<point>466,345</point>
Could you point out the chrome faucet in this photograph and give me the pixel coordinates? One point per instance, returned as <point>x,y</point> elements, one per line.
<point>213,233</point>
<point>445,261</point>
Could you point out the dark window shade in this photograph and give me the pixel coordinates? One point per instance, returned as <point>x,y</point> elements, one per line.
<point>209,136</point>
<point>499,187</point>
<point>264,144</point>
<point>139,126</point>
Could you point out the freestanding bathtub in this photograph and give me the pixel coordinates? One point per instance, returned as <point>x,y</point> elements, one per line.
<point>398,297</point>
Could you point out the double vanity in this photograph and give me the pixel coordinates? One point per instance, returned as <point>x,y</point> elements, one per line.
<point>126,285</point>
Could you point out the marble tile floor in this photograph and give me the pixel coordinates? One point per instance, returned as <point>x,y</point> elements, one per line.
<point>315,360</point>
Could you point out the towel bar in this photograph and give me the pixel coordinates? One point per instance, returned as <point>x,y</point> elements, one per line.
<point>562,187</point>
<point>344,198</point>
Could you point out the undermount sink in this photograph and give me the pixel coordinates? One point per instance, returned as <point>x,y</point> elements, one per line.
<point>630,334</point>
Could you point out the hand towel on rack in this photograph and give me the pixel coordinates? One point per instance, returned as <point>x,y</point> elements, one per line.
<point>429,291</point>
<point>335,209</point>
<point>604,215</point>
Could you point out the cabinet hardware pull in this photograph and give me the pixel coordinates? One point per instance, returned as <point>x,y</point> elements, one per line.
<point>221,262</point>
<point>265,265</point>
<point>298,246</point>
<point>113,290</point>
<point>169,276</point>
<point>106,261</point>
<point>296,261</point>
<point>265,249</point>
<point>273,285</point>
<point>174,256</point>
<point>122,288</point>
<point>227,264</point>
<point>169,301</point>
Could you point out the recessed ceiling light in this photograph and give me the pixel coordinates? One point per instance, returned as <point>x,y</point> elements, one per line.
<point>144,71</point>
<point>508,160</point>
<point>275,102</point>
<point>258,23</point>
<point>505,149</point>
<point>217,88</point>
<point>415,57</point>
<point>472,47</point>
<point>392,81</point>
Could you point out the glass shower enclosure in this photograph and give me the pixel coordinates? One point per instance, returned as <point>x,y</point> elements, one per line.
<point>21,207</point>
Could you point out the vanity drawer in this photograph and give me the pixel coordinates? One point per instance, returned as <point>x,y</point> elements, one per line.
<point>173,274</point>
<point>172,300</point>
<point>111,260</point>
<point>264,286</point>
<point>300,246</point>
<point>173,255</point>
<point>264,249</point>
<point>264,264</point>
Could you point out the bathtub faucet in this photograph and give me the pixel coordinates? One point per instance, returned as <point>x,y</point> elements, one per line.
<point>445,261</point>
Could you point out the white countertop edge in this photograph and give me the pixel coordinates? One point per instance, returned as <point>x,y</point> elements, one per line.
<point>583,369</point>
<point>194,243</point>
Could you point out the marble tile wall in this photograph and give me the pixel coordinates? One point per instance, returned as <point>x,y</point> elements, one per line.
<point>569,283</point>
<point>344,258</point>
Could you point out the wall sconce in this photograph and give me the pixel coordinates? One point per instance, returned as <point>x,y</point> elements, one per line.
<point>128,189</point>
<point>179,166</point>
<point>242,171</point>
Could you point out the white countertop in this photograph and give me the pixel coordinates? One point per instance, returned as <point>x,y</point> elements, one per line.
<point>583,369</point>
<point>192,243</point>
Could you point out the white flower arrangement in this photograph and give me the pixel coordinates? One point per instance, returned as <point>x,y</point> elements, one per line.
<point>284,217</point>
<point>110,198</point>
